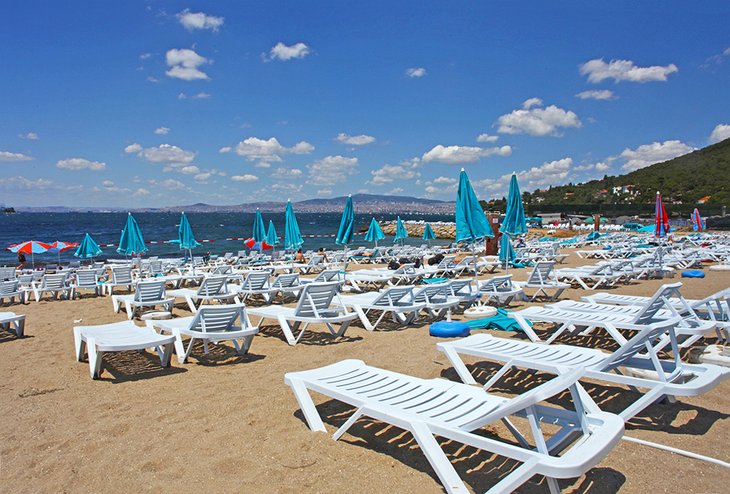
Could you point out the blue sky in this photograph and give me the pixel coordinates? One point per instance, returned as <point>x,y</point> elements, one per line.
<point>168,103</point>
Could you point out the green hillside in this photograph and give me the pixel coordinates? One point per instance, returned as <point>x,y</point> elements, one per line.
<point>704,173</point>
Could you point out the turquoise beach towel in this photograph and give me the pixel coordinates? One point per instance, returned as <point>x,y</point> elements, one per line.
<point>501,321</point>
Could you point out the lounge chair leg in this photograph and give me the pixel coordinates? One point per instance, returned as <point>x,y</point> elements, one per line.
<point>353,418</point>
<point>314,421</point>
<point>459,365</point>
<point>438,460</point>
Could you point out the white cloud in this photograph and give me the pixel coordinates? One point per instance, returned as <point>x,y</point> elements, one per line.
<point>324,192</point>
<point>199,20</point>
<point>625,70</point>
<point>603,166</point>
<point>12,183</point>
<point>200,95</point>
<point>359,140</point>
<point>529,103</point>
<point>537,121</point>
<point>720,132</point>
<point>286,173</point>
<point>80,164</point>
<point>244,178</point>
<point>107,183</point>
<point>288,188</point>
<point>282,52</point>
<point>190,170</point>
<point>202,177</point>
<point>392,173</point>
<point>487,138</point>
<point>415,72</point>
<point>394,191</point>
<point>141,192</point>
<point>162,131</point>
<point>598,94</point>
<point>151,79</point>
<point>173,184</point>
<point>456,155</point>
<point>444,180</point>
<point>331,170</point>
<point>164,153</point>
<point>184,64</point>
<point>255,149</point>
<point>225,149</point>
<point>30,136</point>
<point>656,152</point>
<point>8,156</point>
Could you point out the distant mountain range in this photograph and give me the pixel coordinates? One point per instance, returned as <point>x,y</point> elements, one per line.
<point>364,203</point>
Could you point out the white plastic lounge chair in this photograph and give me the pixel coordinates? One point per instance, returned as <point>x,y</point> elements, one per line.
<point>14,322</point>
<point>55,284</point>
<point>212,289</point>
<point>121,276</point>
<point>326,276</point>
<point>314,307</point>
<point>589,278</point>
<point>118,337</point>
<point>464,291</point>
<point>87,279</point>
<point>146,294</point>
<point>436,407</point>
<point>395,300</point>
<point>10,290</point>
<point>7,274</point>
<point>256,283</point>
<point>542,282</point>
<point>437,299</point>
<point>210,324</point>
<point>499,290</point>
<point>636,357</point>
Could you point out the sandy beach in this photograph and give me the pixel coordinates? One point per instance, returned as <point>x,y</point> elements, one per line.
<point>224,423</point>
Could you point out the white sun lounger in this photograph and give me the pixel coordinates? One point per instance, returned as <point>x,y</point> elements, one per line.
<point>542,281</point>
<point>212,289</point>
<point>10,290</point>
<point>660,377</point>
<point>146,294</point>
<point>14,322</point>
<point>395,300</point>
<point>314,307</point>
<point>55,284</point>
<point>437,299</point>
<point>118,337</point>
<point>499,290</point>
<point>210,324</point>
<point>436,407</point>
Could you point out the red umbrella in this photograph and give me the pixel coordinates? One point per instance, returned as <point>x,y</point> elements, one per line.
<point>254,245</point>
<point>59,247</point>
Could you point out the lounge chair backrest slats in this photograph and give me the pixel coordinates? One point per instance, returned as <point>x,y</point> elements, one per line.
<point>223,269</point>
<point>209,319</point>
<point>327,275</point>
<point>8,287</point>
<point>286,281</point>
<point>540,274</point>
<point>496,283</point>
<point>431,293</point>
<point>393,296</point>
<point>657,303</point>
<point>256,281</point>
<point>316,299</point>
<point>7,274</point>
<point>213,285</point>
<point>644,340</point>
<point>86,277</point>
<point>149,291</point>
<point>54,281</point>
<point>122,275</point>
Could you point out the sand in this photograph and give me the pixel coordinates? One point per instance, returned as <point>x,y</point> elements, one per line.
<point>226,423</point>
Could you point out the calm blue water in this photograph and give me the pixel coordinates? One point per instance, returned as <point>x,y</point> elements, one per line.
<point>106,228</point>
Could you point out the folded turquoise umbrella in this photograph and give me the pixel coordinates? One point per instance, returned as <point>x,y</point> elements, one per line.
<point>292,236</point>
<point>347,224</point>
<point>400,231</point>
<point>471,223</point>
<point>271,237</point>
<point>259,232</point>
<point>428,232</point>
<point>374,232</point>
<point>88,248</point>
<point>131,241</point>
<point>185,236</point>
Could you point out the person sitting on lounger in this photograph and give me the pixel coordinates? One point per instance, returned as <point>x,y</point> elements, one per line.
<point>299,256</point>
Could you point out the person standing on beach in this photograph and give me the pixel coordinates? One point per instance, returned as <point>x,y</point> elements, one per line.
<point>21,260</point>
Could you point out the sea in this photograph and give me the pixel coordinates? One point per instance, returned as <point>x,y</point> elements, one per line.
<point>318,230</point>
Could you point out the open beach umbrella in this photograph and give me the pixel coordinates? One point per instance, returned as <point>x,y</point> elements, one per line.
<point>30,247</point>
<point>252,244</point>
<point>471,223</point>
<point>374,232</point>
<point>514,224</point>
<point>131,241</point>
<point>347,224</point>
<point>400,231</point>
<point>59,246</point>
<point>259,231</point>
<point>292,236</point>
<point>88,248</point>
<point>428,234</point>
<point>697,223</point>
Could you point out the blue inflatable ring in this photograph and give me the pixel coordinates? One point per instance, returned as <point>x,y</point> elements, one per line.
<point>445,329</point>
<point>693,273</point>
